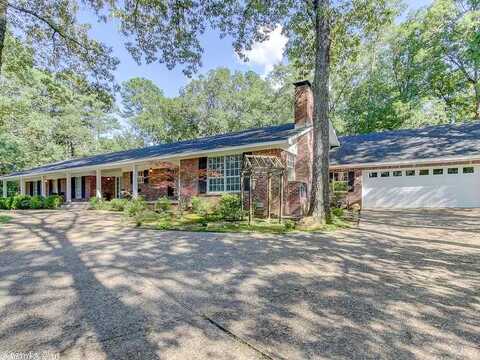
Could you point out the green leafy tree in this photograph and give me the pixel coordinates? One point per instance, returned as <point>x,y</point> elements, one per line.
<point>169,32</point>
<point>44,116</point>
<point>60,41</point>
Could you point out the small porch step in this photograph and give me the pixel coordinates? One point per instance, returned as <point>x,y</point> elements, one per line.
<point>76,206</point>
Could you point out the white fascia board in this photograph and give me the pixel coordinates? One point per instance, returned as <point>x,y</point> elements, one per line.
<point>465,159</point>
<point>174,158</point>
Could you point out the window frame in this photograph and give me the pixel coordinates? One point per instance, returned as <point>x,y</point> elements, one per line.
<point>453,173</point>
<point>420,172</point>
<point>439,171</point>
<point>397,173</point>
<point>371,175</point>
<point>468,172</point>
<point>224,176</point>
<point>410,172</point>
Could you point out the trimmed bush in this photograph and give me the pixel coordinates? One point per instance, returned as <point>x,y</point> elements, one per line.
<point>230,207</point>
<point>3,204</point>
<point>201,206</point>
<point>53,202</point>
<point>135,207</point>
<point>37,202</point>
<point>118,204</point>
<point>163,204</point>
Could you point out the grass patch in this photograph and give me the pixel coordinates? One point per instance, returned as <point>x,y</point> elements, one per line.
<point>198,223</point>
<point>5,219</point>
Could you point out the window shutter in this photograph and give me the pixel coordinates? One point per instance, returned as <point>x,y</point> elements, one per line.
<point>246,179</point>
<point>72,187</point>
<point>83,187</point>
<point>351,181</point>
<point>50,185</point>
<point>145,176</point>
<point>131,179</point>
<point>202,175</point>
<point>39,187</point>
<point>59,187</point>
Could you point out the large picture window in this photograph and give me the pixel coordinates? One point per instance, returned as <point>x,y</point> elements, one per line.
<point>224,173</point>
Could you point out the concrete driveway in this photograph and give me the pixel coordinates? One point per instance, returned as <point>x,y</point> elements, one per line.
<point>404,285</point>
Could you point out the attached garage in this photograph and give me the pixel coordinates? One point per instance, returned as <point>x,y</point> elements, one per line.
<point>429,187</point>
<point>431,167</point>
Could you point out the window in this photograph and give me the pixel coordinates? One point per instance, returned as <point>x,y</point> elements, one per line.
<point>291,166</point>
<point>385,174</point>
<point>424,172</point>
<point>468,170</point>
<point>78,187</point>
<point>140,178</point>
<point>452,171</point>
<point>372,175</point>
<point>409,172</point>
<point>224,173</point>
<point>397,173</point>
<point>437,171</point>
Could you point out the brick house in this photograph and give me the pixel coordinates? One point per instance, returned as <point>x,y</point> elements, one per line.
<point>206,167</point>
<point>436,166</point>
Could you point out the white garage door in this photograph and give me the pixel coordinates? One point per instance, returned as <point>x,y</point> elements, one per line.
<point>433,187</point>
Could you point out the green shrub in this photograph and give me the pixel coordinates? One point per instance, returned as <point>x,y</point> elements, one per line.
<point>3,204</point>
<point>21,202</point>
<point>145,216</point>
<point>135,207</point>
<point>230,207</point>
<point>9,202</point>
<point>99,204</point>
<point>338,212</point>
<point>201,206</point>
<point>163,204</point>
<point>118,204</point>
<point>53,202</point>
<point>37,202</point>
<point>289,225</point>
<point>339,186</point>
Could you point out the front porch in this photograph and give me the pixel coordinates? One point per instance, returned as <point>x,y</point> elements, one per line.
<point>151,180</point>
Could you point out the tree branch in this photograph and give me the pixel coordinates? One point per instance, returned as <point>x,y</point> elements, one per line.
<point>49,23</point>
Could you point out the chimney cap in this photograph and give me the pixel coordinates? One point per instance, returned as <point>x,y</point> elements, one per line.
<point>302,82</point>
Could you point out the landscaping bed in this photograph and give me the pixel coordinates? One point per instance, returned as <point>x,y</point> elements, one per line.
<point>199,214</point>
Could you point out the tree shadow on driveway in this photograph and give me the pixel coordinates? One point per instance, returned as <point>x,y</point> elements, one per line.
<point>357,294</point>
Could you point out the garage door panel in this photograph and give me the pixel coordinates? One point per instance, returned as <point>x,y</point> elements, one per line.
<point>428,191</point>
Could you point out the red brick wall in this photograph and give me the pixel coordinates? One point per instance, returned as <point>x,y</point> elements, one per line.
<point>90,187</point>
<point>159,180</point>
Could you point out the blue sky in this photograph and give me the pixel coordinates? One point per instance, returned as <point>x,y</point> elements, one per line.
<point>217,52</point>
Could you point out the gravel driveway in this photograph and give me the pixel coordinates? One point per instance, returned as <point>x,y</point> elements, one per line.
<point>404,285</point>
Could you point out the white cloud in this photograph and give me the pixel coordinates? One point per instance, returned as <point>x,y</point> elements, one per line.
<point>269,52</point>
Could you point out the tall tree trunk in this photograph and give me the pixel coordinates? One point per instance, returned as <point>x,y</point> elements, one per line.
<point>477,100</point>
<point>3,29</point>
<point>319,201</point>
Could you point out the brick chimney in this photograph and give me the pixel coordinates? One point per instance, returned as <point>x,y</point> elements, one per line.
<point>303,103</point>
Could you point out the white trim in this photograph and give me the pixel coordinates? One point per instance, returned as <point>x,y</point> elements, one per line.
<point>425,162</point>
<point>171,158</point>
<point>224,175</point>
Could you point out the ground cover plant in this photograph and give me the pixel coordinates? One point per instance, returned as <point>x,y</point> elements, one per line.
<point>204,215</point>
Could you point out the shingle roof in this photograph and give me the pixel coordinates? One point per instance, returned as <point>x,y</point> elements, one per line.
<point>242,138</point>
<point>441,141</point>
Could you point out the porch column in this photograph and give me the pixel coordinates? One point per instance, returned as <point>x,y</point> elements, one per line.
<point>68,189</point>
<point>5,188</point>
<point>134,181</point>
<point>43,188</point>
<point>98,184</point>
<point>22,186</point>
